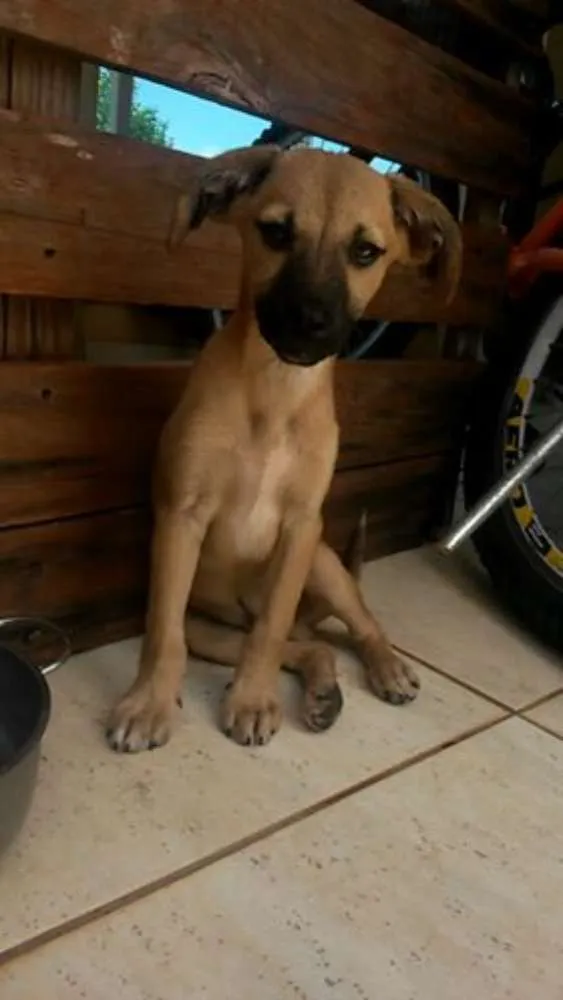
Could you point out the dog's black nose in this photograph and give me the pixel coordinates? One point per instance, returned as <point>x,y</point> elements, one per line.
<point>315,320</point>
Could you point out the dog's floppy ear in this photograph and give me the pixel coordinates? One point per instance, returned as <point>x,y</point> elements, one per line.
<point>430,237</point>
<point>218,184</point>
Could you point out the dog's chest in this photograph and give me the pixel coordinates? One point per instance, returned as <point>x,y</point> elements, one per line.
<point>256,507</point>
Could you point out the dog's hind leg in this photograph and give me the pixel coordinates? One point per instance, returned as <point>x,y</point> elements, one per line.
<point>332,590</point>
<point>315,608</point>
<point>312,660</point>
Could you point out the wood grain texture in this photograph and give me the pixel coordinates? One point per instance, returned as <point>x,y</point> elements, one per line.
<point>39,257</point>
<point>81,438</point>
<point>351,75</point>
<point>401,500</point>
<point>88,216</point>
<point>90,573</point>
<point>471,30</point>
<point>44,81</point>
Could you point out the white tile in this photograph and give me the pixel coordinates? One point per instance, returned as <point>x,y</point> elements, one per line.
<point>445,611</point>
<point>443,881</point>
<point>104,824</point>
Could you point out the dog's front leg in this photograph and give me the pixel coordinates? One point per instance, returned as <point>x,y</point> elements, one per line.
<point>142,720</point>
<point>251,711</point>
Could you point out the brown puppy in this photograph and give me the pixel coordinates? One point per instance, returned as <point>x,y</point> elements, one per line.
<point>247,458</point>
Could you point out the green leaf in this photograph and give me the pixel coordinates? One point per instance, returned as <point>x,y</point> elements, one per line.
<point>145,123</point>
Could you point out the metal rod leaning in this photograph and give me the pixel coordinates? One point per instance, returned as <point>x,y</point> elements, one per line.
<point>499,493</point>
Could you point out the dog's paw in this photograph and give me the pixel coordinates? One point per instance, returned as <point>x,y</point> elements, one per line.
<point>391,678</point>
<point>322,707</point>
<point>141,721</point>
<point>251,713</point>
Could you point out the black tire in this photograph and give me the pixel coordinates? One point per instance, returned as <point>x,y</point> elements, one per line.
<point>527,584</point>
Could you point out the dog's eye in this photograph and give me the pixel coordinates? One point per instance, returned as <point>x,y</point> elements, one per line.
<point>277,234</point>
<point>364,253</point>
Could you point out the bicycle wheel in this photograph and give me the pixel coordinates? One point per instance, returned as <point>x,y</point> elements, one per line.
<point>521,545</point>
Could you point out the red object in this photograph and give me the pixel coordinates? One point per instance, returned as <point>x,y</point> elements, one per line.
<point>534,255</point>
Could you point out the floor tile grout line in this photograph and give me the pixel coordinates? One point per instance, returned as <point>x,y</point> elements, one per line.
<point>230,850</point>
<point>466,685</point>
<point>542,726</point>
<point>540,701</point>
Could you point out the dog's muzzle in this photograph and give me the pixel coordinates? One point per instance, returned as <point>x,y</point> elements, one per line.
<point>304,323</point>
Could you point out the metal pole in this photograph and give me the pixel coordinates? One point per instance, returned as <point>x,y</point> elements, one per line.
<point>498,493</point>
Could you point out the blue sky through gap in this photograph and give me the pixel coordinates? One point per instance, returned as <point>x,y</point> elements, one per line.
<point>206,129</point>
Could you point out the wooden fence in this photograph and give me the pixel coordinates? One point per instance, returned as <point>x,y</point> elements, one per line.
<point>84,217</point>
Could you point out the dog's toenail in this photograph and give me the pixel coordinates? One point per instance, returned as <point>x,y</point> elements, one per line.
<point>396,698</point>
<point>153,744</point>
<point>248,741</point>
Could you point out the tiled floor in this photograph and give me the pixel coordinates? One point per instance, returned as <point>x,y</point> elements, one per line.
<point>408,854</point>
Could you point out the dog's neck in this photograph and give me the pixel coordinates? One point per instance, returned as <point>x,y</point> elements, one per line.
<point>272,384</point>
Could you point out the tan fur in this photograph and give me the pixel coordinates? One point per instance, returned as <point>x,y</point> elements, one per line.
<point>247,458</point>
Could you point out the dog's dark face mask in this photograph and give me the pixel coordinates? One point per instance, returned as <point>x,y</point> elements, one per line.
<point>305,317</point>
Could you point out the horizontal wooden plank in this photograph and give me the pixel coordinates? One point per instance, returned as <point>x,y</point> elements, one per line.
<point>485,34</point>
<point>79,438</point>
<point>87,216</point>
<point>351,75</point>
<point>90,573</point>
<point>61,260</point>
<point>402,502</point>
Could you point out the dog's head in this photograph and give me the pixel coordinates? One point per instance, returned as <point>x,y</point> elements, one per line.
<point>319,232</point>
